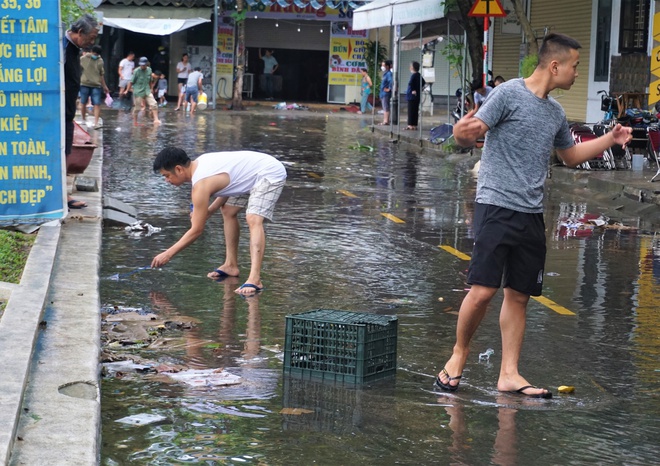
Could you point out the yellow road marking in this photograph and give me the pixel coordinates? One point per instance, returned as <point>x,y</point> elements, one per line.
<point>541,299</point>
<point>553,305</point>
<point>346,193</point>
<point>314,175</point>
<point>455,252</point>
<point>392,217</point>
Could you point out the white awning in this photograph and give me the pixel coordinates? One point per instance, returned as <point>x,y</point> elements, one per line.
<point>156,27</point>
<point>382,13</point>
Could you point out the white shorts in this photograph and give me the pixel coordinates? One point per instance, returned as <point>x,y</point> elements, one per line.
<point>161,92</point>
<point>261,199</point>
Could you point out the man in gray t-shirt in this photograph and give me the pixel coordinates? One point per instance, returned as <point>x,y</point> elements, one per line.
<point>522,125</point>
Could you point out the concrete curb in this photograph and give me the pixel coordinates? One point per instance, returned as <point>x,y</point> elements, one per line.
<point>18,333</point>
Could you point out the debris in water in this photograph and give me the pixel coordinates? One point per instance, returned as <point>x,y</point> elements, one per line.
<point>205,377</point>
<point>141,228</point>
<point>142,419</point>
<point>296,411</point>
<point>485,356</point>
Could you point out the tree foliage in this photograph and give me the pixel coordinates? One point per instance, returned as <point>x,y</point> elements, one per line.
<point>71,10</point>
<point>375,54</point>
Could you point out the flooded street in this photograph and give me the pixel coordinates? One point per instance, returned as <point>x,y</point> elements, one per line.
<point>369,226</point>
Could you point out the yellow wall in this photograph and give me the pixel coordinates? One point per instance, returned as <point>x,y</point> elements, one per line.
<point>564,16</point>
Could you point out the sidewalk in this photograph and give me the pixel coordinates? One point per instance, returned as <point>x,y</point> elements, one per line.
<point>50,344</point>
<point>50,330</point>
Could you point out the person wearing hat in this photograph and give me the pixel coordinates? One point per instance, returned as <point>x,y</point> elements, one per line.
<point>141,86</point>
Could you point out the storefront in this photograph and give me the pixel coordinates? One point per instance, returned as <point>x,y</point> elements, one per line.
<point>318,54</point>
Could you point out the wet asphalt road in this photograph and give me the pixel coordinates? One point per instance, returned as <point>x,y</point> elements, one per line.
<point>383,230</point>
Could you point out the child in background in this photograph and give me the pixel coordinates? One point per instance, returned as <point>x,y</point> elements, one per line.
<point>162,90</point>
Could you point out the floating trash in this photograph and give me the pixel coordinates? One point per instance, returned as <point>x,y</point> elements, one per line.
<point>485,356</point>
<point>205,377</point>
<point>141,228</point>
<point>142,419</point>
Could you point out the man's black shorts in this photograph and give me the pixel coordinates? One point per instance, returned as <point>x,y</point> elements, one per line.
<point>509,249</point>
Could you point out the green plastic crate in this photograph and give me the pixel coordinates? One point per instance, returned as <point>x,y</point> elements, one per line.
<point>341,346</point>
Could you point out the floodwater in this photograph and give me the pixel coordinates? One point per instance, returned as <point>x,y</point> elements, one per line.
<point>331,247</point>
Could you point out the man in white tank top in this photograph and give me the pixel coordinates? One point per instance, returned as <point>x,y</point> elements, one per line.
<point>235,180</point>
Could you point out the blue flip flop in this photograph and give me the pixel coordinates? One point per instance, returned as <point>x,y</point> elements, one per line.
<point>250,285</point>
<point>221,274</point>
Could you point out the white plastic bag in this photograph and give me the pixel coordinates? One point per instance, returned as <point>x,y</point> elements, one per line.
<point>108,100</point>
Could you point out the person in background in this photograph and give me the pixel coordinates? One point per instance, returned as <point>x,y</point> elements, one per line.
<point>162,90</point>
<point>126,67</point>
<point>92,83</point>
<point>193,88</point>
<point>386,90</point>
<point>270,66</point>
<point>160,60</point>
<point>413,94</point>
<point>183,69</point>
<point>141,86</point>
<point>479,92</point>
<point>498,80</point>
<point>365,91</point>
<point>81,35</point>
<point>236,181</point>
<point>524,126</point>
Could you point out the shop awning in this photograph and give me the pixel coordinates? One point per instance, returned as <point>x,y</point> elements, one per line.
<point>382,13</point>
<point>433,30</point>
<point>153,26</point>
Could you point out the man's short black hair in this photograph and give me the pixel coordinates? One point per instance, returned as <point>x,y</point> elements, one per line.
<point>388,63</point>
<point>169,158</point>
<point>556,46</point>
<point>415,66</point>
<point>97,49</point>
<point>197,68</point>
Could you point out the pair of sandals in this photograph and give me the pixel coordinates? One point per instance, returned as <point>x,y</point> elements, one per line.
<point>521,391</point>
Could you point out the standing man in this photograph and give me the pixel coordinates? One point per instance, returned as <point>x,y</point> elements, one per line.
<point>140,84</point>
<point>480,92</point>
<point>193,88</point>
<point>92,82</point>
<point>523,124</point>
<point>81,35</point>
<point>386,90</point>
<point>236,180</point>
<point>270,66</point>
<point>160,61</point>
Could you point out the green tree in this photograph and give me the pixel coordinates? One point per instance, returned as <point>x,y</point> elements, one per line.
<point>239,18</point>
<point>74,9</point>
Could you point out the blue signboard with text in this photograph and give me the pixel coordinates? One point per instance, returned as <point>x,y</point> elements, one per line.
<point>32,179</point>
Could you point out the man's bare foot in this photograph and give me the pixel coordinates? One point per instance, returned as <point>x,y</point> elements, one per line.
<point>223,271</point>
<point>519,385</point>
<point>156,122</point>
<point>247,289</point>
<point>451,374</point>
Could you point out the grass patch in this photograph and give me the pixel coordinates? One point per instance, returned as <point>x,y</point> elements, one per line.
<point>14,251</point>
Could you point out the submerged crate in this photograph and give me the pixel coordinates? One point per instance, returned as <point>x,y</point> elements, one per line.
<point>341,346</point>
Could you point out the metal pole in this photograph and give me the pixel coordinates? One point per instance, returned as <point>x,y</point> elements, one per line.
<point>214,69</point>
<point>464,72</point>
<point>394,110</point>
<point>373,81</point>
<point>420,109</point>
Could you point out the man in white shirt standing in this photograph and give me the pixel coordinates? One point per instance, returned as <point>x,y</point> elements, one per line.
<point>237,180</point>
<point>126,67</point>
<point>270,66</point>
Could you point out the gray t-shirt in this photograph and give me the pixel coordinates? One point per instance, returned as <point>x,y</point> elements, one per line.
<point>523,131</point>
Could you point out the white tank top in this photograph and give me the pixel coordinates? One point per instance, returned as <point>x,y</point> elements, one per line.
<point>245,170</point>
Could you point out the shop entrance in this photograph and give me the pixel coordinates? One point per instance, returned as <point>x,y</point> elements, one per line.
<point>303,75</point>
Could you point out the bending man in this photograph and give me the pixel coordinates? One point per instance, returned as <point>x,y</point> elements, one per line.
<point>237,180</point>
